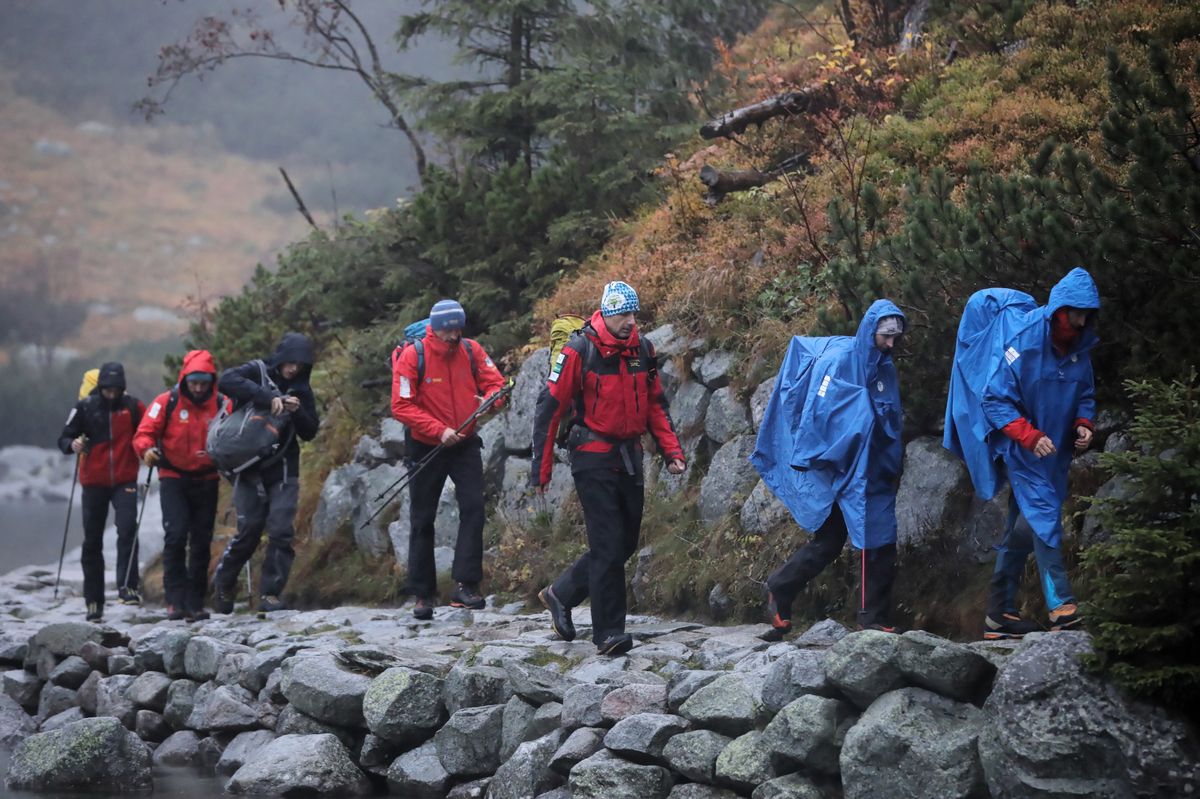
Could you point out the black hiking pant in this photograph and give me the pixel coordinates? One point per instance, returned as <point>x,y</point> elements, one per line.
<point>96,500</point>
<point>189,509</point>
<point>463,464</point>
<point>876,577</point>
<point>612,503</point>
<point>261,505</point>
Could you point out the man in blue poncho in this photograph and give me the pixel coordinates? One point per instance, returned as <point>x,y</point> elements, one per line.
<point>829,448</point>
<point>1021,403</point>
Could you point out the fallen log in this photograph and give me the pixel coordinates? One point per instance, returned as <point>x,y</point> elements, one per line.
<point>721,183</point>
<point>736,121</point>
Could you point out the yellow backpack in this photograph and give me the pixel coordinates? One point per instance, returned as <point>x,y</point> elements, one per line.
<point>560,331</point>
<point>90,378</point>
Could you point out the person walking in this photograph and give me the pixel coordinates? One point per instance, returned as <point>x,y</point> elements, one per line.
<point>829,448</point>
<point>605,385</point>
<point>437,383</point>
<point>100,430</point>
<point>172,436</point>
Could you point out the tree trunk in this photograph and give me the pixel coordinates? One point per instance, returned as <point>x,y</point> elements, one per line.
<point>735,122</point>
<point>722,183</point>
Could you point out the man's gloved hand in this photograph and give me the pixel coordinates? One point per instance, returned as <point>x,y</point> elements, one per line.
<point>151,456</point>
<point>79,444</point>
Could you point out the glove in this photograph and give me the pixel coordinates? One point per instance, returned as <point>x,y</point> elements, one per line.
<point>151,456</point>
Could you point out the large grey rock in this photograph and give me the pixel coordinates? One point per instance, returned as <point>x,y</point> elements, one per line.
<point>727,416</point>
<point>174,652</point>
<point>1119,487</point>
<point>63,718</point>
<point>23,687</point>
<point>762,512</point>
<point>208,752</point>
<point>686,683</point>
<point>581,705</point>
<point>293,722</point>
<point>670,376</point>
<point>476,789</point>
<point>369,452</point>
<point>1052,723</point>
<point>692,790</point>
<point>793,786</point>
<point>793,675</point>
<point>300,765</point>
<point>13,648</point>
<point>534,683</point>
<point>518,715</point>
<point>181,699</point>
<point>579,746</point>
<point>667,341</point>
<point>807,734</point>
<point>641,737</point>
<point>403,705</point>
<point>15,723</point>
<point>376,754</point>
<point>745,763</point>
<point>863,666</point>
<point>727,704</point>
<point>914,743</point>
<point>179,749</point>
<point>119,663</point>
<point>475,686</point>
<point>149,690</point>
<point>491,433</point>
<point>517,503</point>
<point>469,744</point>
<point>391,438</point>
<point>759,401</point>
<point>146,648</point>
<point>527,772</point>
<point>227,708</point>
<point>54,699</point>
<point>729,475</point>
<point>339,501</point>
<point>605,776</point>
<point>71,672</point>
<point>630,700</point>
<point>824,633</point>
<point>111,701</point>
<point>944,667</point>
<point>63,639</point>
<point>151,726</point>
<point>715,368</point>
<point>42,663</point>
<point>935,492</point>
<point>87,692</point>
<point>92,755</point>
<point>263,662</point>
<point>418,774</point>
<point>244,747</point>
<point>694,754</point>
<point>372,537</point>
<point>518,428</point>
<point>320,687</point>
<point>688,407</point>
<point>96,656</point>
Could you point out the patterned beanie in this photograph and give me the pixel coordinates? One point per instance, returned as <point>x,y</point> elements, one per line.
<point>618,298</point>
<point>447,315</point>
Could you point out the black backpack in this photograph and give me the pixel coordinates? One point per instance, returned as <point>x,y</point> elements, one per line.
<point>247,437</point>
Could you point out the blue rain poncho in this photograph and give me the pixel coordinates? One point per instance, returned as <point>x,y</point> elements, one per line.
<point>831,432</point>
<point>1005,369</point>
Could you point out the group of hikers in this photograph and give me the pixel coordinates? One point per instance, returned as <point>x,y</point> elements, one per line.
<point>829,447</point>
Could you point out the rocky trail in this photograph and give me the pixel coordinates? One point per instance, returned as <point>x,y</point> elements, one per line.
<point>356,701</point>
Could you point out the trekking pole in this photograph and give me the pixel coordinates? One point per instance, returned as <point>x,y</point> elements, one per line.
<point>62,553</point>
<point>137,528</point>
<point>399,485</point>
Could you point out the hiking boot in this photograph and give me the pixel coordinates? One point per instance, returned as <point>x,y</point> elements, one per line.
<point>95,611</point>
<point>615,644</point>
<point>1064,617</point>
<point>176,614</point>
<point>1009,625</point>
<point>560,614</point>
<point>423,610</point>
<point>223,599</point>
<point>269,604</point>
<point>780,615</point>
<point>129,596</point>
<point>466,595</point>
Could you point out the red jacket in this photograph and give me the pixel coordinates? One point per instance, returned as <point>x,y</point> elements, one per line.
<point>622,399</point>
<point>109,460</point>
<point>448,394</point>
<point>183,437</point>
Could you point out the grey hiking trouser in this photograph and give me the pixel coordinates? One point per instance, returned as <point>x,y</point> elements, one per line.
<point>260,506</point>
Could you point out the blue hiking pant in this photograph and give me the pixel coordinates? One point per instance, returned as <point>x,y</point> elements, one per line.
<point>1018,544</point>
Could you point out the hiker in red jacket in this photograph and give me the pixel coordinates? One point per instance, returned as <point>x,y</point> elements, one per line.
<point>437,383</point>
<point>100,430</point>
<point>172,436</point>
<point>605,381</point>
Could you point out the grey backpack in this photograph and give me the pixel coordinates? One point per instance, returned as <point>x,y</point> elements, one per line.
<point>248,437</point>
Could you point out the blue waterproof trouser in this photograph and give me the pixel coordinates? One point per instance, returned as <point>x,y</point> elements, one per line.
<point>1018,544</point>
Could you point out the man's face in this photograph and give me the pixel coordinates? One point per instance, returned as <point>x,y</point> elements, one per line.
<point>1077,317</point>
<point>110,394</point>
<point>620,325</point>
<point>451,335</point>
<point>198,388</point>
<point>289,370</point>
<point>885,344</point>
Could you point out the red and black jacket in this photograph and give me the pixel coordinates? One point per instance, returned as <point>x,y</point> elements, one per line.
<point>184,435</point>
<point>611,387</point>
<point>109,459</point>
<point>447,393</point>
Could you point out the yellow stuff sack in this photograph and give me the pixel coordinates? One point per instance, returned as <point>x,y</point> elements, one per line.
<point>90,378</point>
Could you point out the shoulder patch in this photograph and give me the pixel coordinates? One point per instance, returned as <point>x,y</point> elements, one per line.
<point>154,409</point>
<point>1011,355</point>
<point>405,388</point>
<point>824,386</point>
<point>71,415</point>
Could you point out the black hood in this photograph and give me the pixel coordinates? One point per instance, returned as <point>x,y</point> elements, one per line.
<point>294,347</point>
<point>112,375</point>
